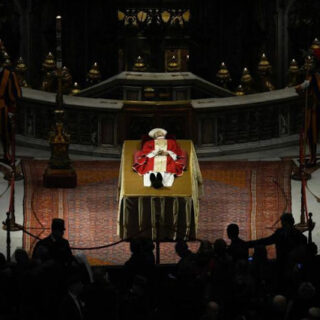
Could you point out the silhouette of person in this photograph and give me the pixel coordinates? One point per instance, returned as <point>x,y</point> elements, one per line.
<point>54,246</point>
<point>238,249</point>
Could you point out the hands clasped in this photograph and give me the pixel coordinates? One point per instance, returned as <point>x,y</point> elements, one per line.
<point>162,153</point>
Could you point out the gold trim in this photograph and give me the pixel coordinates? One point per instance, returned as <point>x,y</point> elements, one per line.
<point>156,103</point>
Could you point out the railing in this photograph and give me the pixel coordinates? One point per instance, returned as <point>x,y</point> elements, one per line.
<point>220,125</point>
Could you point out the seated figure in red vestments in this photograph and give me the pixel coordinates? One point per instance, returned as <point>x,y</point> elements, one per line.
<point>160,160</point>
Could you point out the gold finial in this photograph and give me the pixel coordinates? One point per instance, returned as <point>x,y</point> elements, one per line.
<point>6,59</point>
<point>21,66</point>
<point>308,61</point>
<point>265,71</point>
<point>240,91</point>
<point>49,73</point>
<point>223,75</point>
<point>293,73</point>
<point>264,65</point>
<point>20,70</point>
<point>293,68</point>
<point>246,76</point>
<point>139,65</point>
<point>49,63</point>
<point>66,75</point>
<point>315,44</point>
<point>75,89</point>
<point>247,81</point>
<point>94,74</point>
<point>173,64</point>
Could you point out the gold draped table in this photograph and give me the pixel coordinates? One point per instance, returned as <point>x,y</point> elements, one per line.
<point>177,206</point>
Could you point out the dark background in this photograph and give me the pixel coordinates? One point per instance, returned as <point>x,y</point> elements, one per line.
<point>236,32</point>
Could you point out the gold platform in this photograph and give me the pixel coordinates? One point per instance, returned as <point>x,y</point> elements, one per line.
<point>178,206</point>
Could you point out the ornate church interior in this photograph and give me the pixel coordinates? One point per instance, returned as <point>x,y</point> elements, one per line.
<point>159,159</point>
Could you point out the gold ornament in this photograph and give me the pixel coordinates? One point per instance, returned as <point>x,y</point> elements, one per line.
<point>223,75</point>
<point>139,65</point>
<point>173,64</point>
<point>240,91</point>
<point>308,62</point>
<point>49,63</point>
<point>186,16</point>
<point>49,73</point>
<point>142,16</point>
<point>264,66</point>
<point>20,70</point>
<point>165,15</point>
<point>6,60</point>
<point>94,74</point>
<point>121,15</point>
<point>66,80</point>
<point>246,77</point>
<point>265,71</point>
<point>149,92</point>
<point>315,44</point>
<point>75,89</point>
<point>293,73</point>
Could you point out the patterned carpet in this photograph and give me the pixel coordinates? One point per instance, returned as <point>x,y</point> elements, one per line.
<point>251,194</point>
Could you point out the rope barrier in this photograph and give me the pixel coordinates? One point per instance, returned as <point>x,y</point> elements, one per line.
<point>90,248</point>
<point>111,244</point>
<point>114,243</point>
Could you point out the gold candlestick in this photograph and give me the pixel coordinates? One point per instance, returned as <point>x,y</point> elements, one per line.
<point>59,173</point>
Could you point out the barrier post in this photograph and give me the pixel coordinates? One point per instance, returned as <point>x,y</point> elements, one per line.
<point>311,225</point>
<point>158,237</point>
<point>8,226</point>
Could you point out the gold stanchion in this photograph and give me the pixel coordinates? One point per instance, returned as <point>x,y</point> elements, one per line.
<point>10,224</point>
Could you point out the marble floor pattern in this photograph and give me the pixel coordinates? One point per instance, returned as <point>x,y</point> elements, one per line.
<point>267,155</point>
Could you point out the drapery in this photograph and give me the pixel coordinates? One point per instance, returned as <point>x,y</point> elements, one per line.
<point>177,206</point>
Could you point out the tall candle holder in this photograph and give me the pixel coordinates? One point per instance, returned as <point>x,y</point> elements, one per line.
<point>59,173</point>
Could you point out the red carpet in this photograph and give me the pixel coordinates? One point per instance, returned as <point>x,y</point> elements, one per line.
<point>251,194</point>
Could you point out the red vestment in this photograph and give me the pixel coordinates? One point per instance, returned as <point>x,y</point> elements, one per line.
<point>144,164</point>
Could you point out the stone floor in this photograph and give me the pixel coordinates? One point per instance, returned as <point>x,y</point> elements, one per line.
<point>269,155</point>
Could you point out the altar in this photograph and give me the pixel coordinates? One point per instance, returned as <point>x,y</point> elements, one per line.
<point>177,207</point>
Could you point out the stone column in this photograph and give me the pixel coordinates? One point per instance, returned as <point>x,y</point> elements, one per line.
<point>282,59</point>
<point>24,9</point>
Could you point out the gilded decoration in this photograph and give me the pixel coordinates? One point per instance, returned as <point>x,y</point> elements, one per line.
<point>148,16</point>
<point>293,73</point>
<point>223,75</point>
<point>265,72</point>
<point>20,70</point>
<point>94,74</point>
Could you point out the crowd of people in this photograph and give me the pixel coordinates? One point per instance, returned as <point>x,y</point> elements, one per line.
<point>219,281</point>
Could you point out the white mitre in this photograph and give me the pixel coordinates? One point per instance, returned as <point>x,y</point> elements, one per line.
<point>153,132</point>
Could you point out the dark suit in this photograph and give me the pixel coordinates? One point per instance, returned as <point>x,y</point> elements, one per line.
<point>58,250</point>
<point>238,250</point>
<point>285,239</point>
<point>70,309</point>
